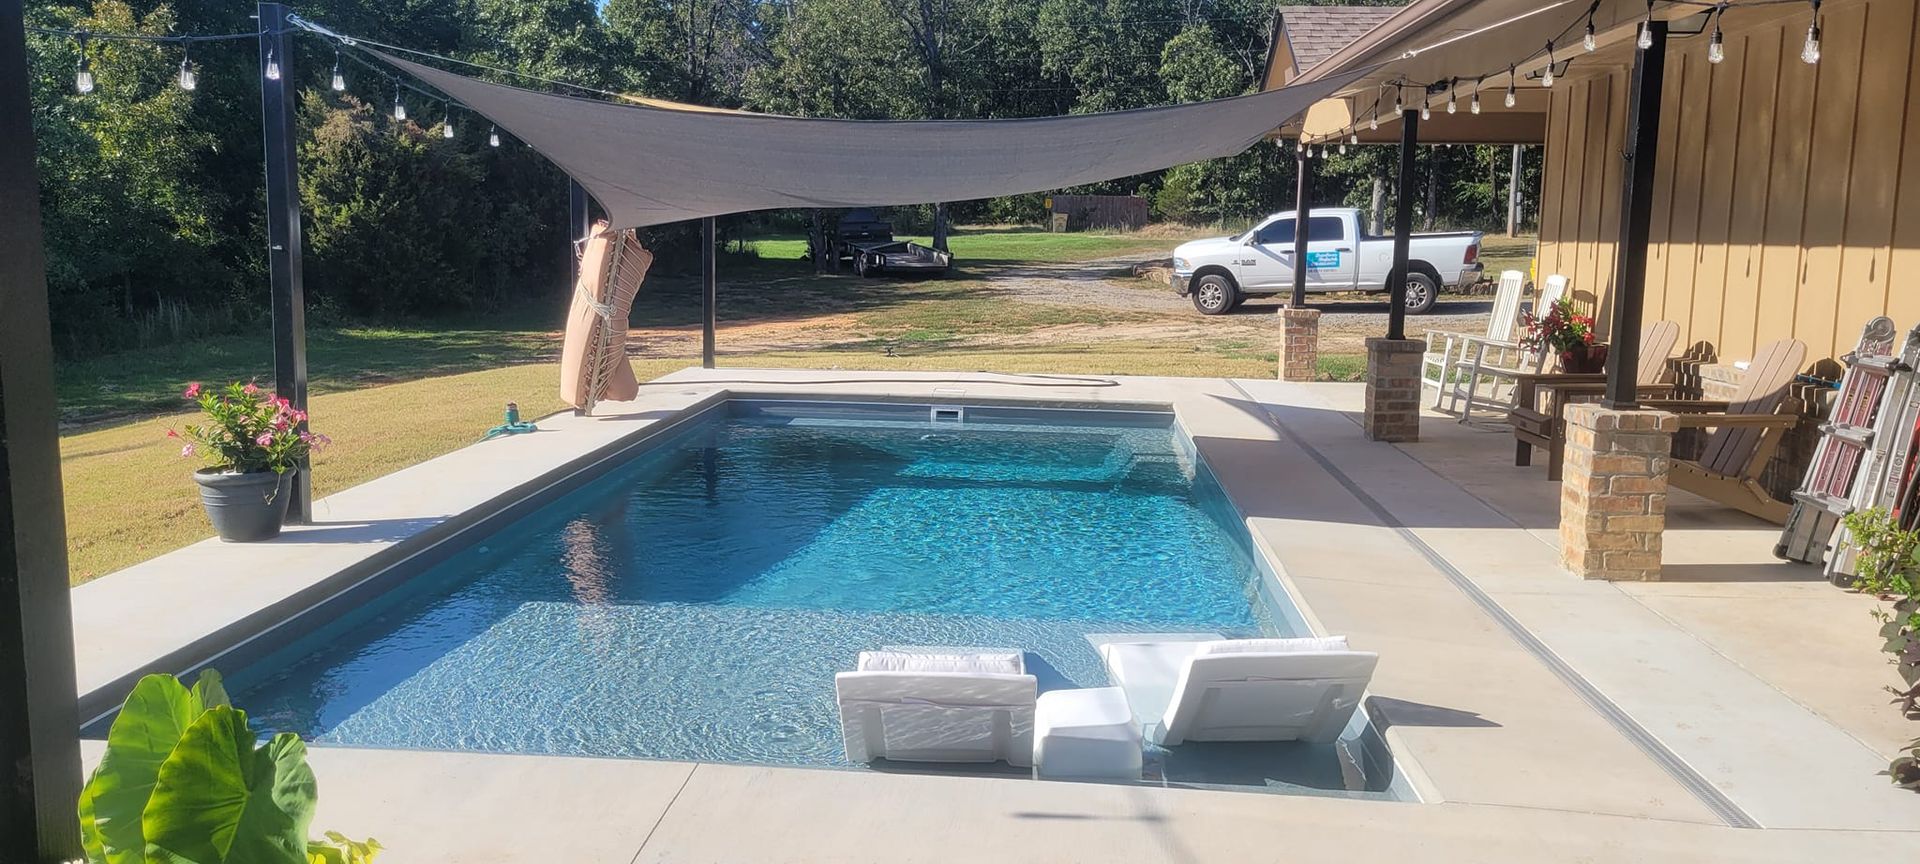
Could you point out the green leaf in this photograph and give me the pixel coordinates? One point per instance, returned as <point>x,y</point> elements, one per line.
<point>149,725</point>
<point>219,799</point>
<point>210,690</point>
<point>338,849</point>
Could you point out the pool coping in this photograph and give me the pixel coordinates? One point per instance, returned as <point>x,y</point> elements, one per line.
<point>486,481</point>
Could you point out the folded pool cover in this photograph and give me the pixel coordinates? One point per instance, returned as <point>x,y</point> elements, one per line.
<point>650,166</point>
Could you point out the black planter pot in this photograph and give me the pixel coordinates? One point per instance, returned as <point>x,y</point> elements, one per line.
<point>245,507</point>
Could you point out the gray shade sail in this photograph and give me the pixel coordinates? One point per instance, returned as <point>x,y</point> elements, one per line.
<point>650,166</point>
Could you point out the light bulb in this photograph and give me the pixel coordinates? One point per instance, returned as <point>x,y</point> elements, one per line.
<point>1399,105</point>
<point>1810,52</point>
<point>1374,124</point>
<point>1645,39</point>
<point>446,129</point>
<point>1588,42</point>
<point>1510,100</point>
<point>1453,103</point>
<point>188,81</point>
<point>399,108</point>
<point>1343,148</point>
<point>339,80</point>
<point>83,74</point>
<point>1426,113</point>
<point>273,66</point>
<point>493,136</point>
<point>1353,138</point>
<point>1716,46</point>
<point>1546,78</point>
<point>1474,105</point>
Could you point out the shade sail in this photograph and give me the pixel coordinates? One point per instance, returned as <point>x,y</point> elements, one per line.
<point>650,165</point>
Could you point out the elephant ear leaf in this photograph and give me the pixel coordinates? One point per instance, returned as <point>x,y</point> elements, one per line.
<point>221,800</point>
<point>210,690</point>
<point>149,725</point>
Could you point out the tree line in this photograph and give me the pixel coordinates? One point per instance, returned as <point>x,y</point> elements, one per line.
<point>154,196</point>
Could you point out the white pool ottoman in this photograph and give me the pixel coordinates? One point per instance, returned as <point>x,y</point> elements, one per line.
<point>1085,735</point>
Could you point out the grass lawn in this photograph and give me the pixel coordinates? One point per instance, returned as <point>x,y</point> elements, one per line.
<point>1500,252</point>
<point>995,243</point>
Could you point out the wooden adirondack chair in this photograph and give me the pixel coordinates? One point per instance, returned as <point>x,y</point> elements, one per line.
<point>1541,422</point>
<point>1484,373</point>
<point>1747,429</point>
<point>1445,346</point>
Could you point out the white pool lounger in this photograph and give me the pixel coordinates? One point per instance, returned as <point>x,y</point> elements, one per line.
<point>1240,689</point>
<point>935,705</point>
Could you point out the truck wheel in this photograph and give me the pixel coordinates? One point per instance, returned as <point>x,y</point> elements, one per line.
<point>1214,294</point>
<point>1421,293</point>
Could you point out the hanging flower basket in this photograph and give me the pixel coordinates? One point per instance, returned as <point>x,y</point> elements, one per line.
<point>254,443</point>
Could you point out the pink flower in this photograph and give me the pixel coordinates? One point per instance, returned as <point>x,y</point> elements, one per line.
<point>186,451</point>
<point>250,389</point>
<point>172,434</point>
<point>280,423</point>
<point>192,391</point>
<point>265,439</point>
<point>299,416</point>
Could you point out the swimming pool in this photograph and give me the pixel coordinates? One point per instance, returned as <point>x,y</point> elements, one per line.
<point>695,602</point>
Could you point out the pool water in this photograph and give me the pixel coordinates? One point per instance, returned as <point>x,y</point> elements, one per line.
<point>695,602</point>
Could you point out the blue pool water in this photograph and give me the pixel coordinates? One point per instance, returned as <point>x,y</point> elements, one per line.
<point>696,602</point>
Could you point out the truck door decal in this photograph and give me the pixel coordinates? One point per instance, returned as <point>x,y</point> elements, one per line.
<point>1328,260</point>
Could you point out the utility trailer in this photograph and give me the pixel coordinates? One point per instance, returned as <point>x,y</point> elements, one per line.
<point>865,239</point>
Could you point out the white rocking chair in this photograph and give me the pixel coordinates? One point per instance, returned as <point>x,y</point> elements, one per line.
<point>1484,372</point>
<point>1445,346</point>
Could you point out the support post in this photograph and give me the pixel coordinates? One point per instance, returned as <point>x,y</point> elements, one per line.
<point>1300,225</point>
<point>577,225</point>
<point>1402,226</point>
<point>39,726</point>
<point>1513,195</point>
<point>709,291</point>
<point>283,236</point>
<point>1636,217</point>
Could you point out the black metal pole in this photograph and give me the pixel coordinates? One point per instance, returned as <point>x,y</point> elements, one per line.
<point>39,723</point>
<point>709,291</point>
<point>1636,218</point>
<point>1300,225</point>
<point>1402,226</point>
<point>283,235</point>
<point>577,224</point>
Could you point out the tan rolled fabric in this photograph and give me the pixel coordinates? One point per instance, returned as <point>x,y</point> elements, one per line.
<point>593,354</point>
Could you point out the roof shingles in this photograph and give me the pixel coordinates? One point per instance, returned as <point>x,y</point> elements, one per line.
<point>1316,32</point>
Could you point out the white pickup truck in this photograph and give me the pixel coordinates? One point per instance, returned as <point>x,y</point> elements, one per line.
<point>1220,272</point>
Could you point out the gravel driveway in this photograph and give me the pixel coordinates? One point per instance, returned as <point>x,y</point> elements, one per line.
<point>1346,319</point>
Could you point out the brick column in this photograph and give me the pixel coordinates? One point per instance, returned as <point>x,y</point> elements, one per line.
<point>1299,344</point>
<point>1393,389</point>
<point>1613,495</point>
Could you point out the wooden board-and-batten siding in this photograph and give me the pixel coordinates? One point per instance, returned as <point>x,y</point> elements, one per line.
<point>1786,196</point>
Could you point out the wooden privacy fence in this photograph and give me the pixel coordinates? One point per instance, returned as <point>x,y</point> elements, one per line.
<point>1083,212</point>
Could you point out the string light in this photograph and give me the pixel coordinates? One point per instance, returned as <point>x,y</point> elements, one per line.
<point>446,127</point>
<point>1717,43</point>
<point>1645,39</point>
<point>493,136</point>
<point>273,66</point>
<point>1374,124</point>
<point>1546,78</point>
<point>1510,79</point>
<point>1588,41</point>
<point>188,80</point>
<point>83,74</point>
<point>1473,107</point>
<point>1426,112</point>
<point>1810,52</point>
<point>399,107</point>
<point>339,80</point>
<point>1453,99</point>
<point>1343,148</point>
<point>1399,104</point>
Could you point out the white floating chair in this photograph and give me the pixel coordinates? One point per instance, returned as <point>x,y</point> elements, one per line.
<point>1241,689</point>
<point>933,705</point>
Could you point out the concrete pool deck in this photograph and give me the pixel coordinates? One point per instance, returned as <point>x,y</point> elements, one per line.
<point>1541,717</point>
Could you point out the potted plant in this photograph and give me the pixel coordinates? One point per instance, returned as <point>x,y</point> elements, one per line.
<point>1567,334</point>
<point>253,442</point>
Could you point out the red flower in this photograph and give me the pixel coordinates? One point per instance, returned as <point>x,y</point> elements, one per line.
<point>192,391</point>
